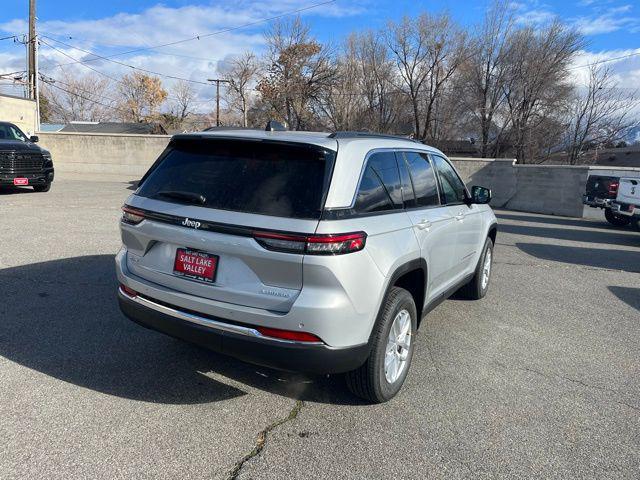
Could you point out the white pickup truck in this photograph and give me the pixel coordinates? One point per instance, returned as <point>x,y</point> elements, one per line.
<point>627,200</point>
<point>602,190</point>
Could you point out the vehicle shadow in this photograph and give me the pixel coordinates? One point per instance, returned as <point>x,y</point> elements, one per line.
<point>629,295</point>
<point>61,318</point>
<point>11,190</point>
<point>611,236</point>
<point>549,220</point>
<point>625,260</point>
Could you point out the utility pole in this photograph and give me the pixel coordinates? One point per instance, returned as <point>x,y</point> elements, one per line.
<point>33,61</point>
<point>218,81</point>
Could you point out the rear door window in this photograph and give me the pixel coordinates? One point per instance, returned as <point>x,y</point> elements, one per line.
<point>423,179</point>
<point>268,178</point>
<point>380,185</point>
<point>453,189</point>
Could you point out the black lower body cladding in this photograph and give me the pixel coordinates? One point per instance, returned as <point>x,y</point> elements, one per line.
<point>315,359</point>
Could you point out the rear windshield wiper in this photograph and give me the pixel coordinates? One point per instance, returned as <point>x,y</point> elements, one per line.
<point>188,197</point>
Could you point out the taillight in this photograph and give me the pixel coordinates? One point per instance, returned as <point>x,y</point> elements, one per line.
<point>290,335</point>
<point>128,291</point>
<point>613,188</point>
<point>132,216</point>
<point>323,244</point>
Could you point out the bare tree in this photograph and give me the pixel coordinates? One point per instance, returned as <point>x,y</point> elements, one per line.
<point>427,50</point>
<point>341,102</point>
<point>483,74</point>
<point>508,85</point>
<point>140,97</point>
<point>536,80</point>
<point>79,98</point>
<point>183,96</point>
<point>241,73</point>
<point>298,67</point>
<point>383,101</point>
<point>599,114</point>
<point>409,47</point>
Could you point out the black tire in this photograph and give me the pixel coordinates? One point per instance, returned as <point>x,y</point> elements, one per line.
<point>369,381</point>
<point>616,219</point>
<point>474,290</point>
<point>42,188</point>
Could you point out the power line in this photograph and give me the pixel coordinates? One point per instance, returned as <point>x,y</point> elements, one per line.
<point>206,35</point>
<point>81,63</point>
<point>50,80</point>
<point>605,61</point>
<point>108,45</point>
<point>84,62</point>
<point>112,107</point>
<point>89,67</point>
<point>12,73</point>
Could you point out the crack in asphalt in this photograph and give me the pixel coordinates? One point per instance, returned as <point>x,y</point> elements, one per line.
<point>261,440</point>
<point>552,376</point>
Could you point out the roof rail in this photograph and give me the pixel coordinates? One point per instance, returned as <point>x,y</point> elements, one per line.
<point>221,128</point>
<point>350,134</point>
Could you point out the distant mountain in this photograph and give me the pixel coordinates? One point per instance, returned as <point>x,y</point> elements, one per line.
<point>632,136</point>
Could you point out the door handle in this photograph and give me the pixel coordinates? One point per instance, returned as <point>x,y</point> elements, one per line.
<point>423,224</point>
<point>459,216</point>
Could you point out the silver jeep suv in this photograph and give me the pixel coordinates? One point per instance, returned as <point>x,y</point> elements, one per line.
<point>303,251</point>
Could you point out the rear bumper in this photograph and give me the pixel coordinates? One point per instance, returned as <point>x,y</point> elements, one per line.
<point>626,209</point>
<point>596,202</point>
<point>238,340</point>
<point>43,178</point>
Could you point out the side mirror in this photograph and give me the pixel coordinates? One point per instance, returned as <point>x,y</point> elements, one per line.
<point>34,138</point>
<point>480,195</point>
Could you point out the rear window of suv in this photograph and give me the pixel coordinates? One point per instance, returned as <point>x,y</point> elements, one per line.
<point>267,178</point>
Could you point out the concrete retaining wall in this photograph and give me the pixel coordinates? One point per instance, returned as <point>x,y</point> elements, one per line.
<point>103,153</point>
<point>550,189</point>
<point>555,190</point>
<point>498,175</point>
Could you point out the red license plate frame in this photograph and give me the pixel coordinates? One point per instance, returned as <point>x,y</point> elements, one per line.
<point>21,181</point>
<point>196,265</point>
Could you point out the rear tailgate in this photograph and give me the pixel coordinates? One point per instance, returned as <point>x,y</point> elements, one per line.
<point>629,191</point>
<point>202,204</point>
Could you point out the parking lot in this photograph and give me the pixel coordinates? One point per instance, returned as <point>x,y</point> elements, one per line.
<point>541,379</point>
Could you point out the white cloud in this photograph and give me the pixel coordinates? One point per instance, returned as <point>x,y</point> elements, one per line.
<point>624,65</point>
<point>535,17</point>
<point>532,12</point>
<point>601,17</point>
<point>159,24</point>
<point>607,21</point>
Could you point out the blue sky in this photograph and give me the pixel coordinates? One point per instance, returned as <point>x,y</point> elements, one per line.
<point>611,27</point>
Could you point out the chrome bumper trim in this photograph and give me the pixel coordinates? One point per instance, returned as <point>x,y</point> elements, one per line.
<point>207,322</point>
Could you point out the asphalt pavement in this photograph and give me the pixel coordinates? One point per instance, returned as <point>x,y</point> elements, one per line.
<point>541,379</point>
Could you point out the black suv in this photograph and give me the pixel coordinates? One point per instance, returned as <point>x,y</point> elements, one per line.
<point>22,162</point>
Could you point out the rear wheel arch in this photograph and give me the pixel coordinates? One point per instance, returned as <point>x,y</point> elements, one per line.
<point>402,274</point>
<point>493,232</point>
<point>411,276</point>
